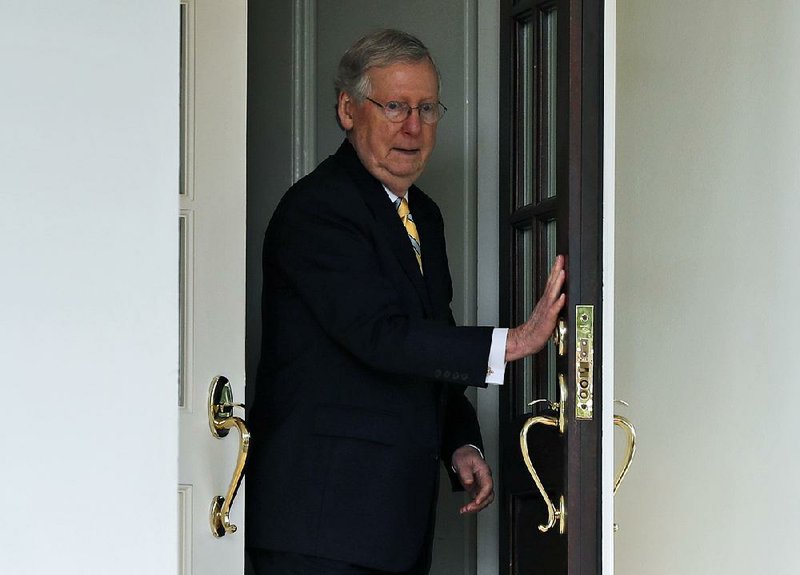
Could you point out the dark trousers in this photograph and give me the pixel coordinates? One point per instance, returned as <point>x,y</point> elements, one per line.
<point>267,562</point>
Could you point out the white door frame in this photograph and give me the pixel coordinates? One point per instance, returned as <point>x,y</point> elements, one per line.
<point>609,177</point>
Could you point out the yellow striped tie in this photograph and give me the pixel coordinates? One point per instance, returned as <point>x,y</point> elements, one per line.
<point>411,228</point>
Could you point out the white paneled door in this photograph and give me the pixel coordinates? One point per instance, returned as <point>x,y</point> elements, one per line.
<point>213,47</point>
<point>88,258</point>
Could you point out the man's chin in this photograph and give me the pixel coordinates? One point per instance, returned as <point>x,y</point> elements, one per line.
<point>406,169</point>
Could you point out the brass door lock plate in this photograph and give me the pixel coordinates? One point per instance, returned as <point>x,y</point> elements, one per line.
<point>584,361</point>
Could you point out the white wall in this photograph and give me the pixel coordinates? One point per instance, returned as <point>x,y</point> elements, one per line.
<point>88,260</point>
<point>708,276</point>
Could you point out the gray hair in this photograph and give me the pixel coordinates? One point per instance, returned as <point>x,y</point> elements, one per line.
<point>381,48</point>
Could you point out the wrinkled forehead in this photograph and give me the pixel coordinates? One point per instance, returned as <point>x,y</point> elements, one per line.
<point>404,75</point>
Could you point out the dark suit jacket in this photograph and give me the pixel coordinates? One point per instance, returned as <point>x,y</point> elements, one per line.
<point>360,390</point>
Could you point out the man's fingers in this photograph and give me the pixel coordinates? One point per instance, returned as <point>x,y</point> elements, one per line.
<point>486,489</point>
<point>483,493</point>
<point>555,283</point>
<point>532,336</point>
<point>552,290</point>
<point>555,308</point>
<point>478,504</point>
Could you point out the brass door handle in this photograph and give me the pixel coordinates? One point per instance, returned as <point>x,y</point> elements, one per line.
<point>553,515</point>
<point>630,433</point>
<point>560,337</point>
<point>221,420</point>
<point>559,514</point>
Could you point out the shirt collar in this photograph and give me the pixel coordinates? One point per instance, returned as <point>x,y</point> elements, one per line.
<point>392,196</point>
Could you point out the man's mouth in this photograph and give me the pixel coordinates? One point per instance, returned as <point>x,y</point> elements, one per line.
<point>409,151</point>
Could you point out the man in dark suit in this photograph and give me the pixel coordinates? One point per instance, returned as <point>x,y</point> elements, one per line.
<point>360,390</point>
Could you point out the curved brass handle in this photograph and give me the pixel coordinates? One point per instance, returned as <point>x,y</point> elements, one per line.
<point>553,514</point>
<point>630,432</point>
<point>221,420</point>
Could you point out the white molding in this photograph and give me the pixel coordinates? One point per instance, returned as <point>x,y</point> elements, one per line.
<point>609,175</point>
<point>188,87</point>
<point>185,531</point>
<point>470,162</point>
<point>304,109</point>
<point>470,238</point>
<point>488,255</point>
<point>188,255</point>
<point>186,201</point>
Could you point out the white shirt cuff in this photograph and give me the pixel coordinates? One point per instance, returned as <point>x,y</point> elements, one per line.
<point>497,357</point>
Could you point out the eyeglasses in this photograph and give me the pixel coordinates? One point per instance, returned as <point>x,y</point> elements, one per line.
<point>429,112</point>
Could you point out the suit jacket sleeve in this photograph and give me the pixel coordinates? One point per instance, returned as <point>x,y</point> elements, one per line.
<point>334,254</point>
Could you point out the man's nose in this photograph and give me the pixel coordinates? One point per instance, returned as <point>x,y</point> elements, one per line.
<point>413,123</point>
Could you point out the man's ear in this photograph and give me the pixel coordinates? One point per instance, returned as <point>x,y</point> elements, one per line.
<point>344,110</point>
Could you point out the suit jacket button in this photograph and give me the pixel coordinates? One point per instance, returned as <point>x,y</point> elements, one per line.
<point>437,373</point>
<point>464,376</point>
<point>456,375</point>
<point>446,374</point>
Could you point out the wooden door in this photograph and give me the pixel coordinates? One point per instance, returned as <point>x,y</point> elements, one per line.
<point>212,272</point>
<point>551,137</point>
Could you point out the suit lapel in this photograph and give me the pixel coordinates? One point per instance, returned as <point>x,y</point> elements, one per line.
<point>431,239</point>
<point>388,221</point>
